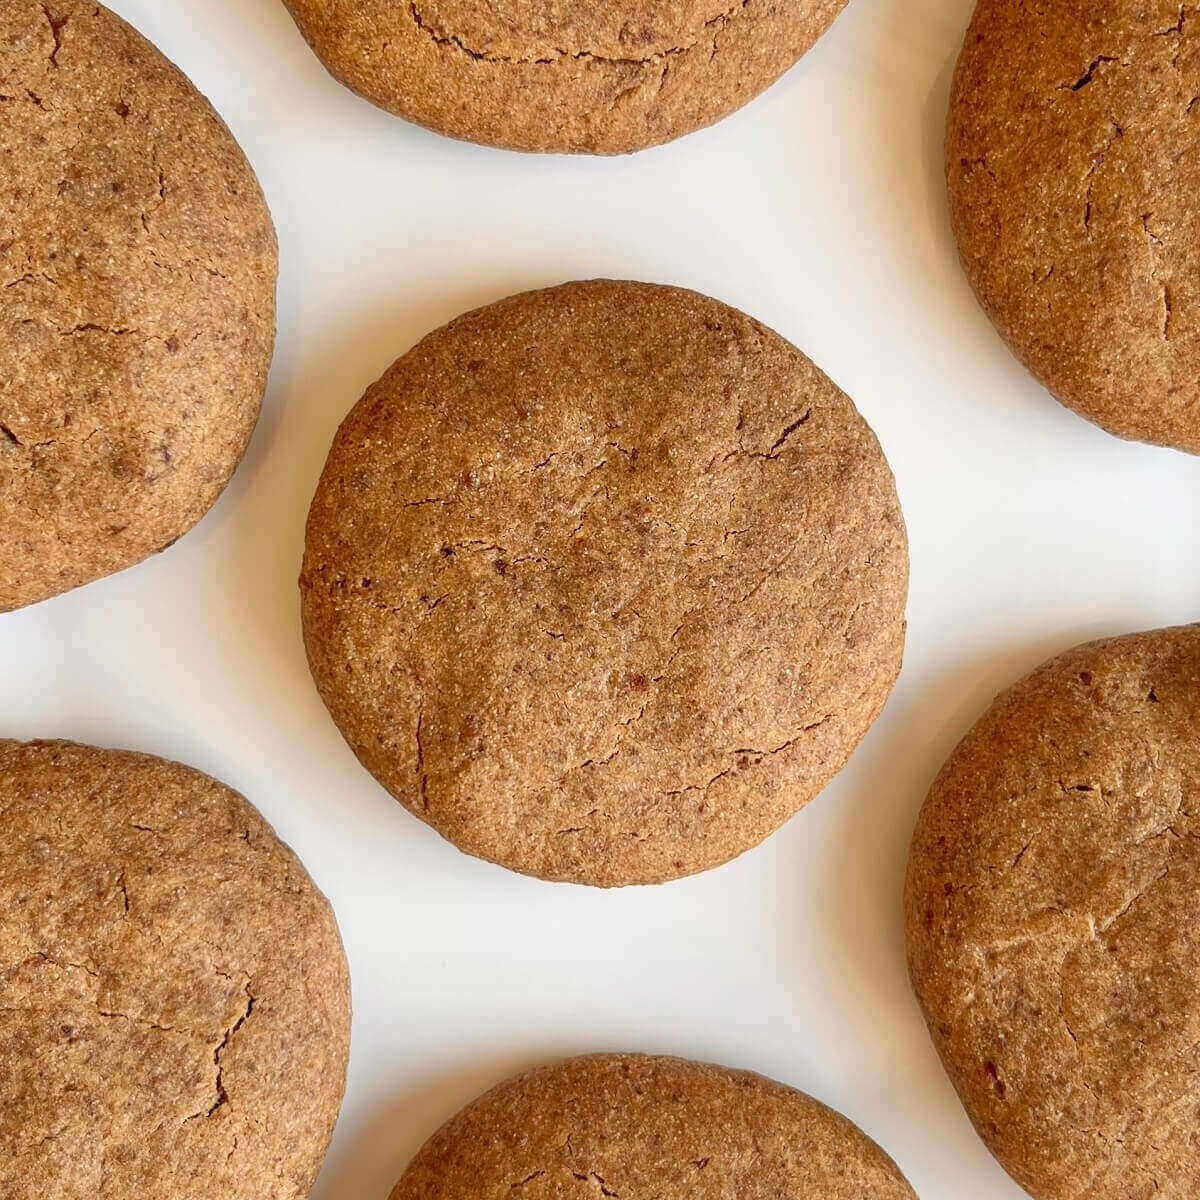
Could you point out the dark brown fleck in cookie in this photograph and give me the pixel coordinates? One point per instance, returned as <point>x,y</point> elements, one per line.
<point>599,78</point>
<point>137,299</point>
<point>1053,912</point>
<point>174,1002</point>
<point>605,582</point>
<point>1075,196</point>
<point>640,1126</point>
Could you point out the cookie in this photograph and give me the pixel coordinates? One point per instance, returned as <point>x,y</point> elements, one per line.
<point>1075,199</point>
<point>636,1125</point>
<point>1053,913</point>
<point>604,582</point>
<point>596,78</point>
<point>174,1002</point>
<point>137,299</point>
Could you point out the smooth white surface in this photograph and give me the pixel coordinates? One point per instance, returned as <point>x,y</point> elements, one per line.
<point>818,209</point>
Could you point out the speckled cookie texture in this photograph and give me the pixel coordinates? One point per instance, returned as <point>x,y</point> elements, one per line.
<point>589,77</point>
<point>174,1003</point>
<point>642,1126</point>
<point>137,299</point>
<point>1053,908</point>
<point>1074,184</point>
<point>605,582</point>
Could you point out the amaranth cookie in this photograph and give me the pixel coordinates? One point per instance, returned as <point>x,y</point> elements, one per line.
<point>592,77</point>
<point>1075,196</point>
<point>137,299</point>
<point>174,1003</point>
<point>605,582</point>
<point>640,1126</point>
<point>1053,911</point>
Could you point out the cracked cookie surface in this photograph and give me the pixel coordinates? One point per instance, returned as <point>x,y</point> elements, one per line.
<point>605,582</point>
<point>599,78</point>
<point>1074,174</point>
<point>174,1000</point>
<point>644,1126</point>
<point>1053,915</point>
<point>137,299</point>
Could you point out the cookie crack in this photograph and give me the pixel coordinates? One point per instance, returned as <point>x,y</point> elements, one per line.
<point>57,24</point>
<point>516,1187</point>
<point>1138,895</point>
<point>1098,160</point>
<point>777,447</point>
<point>743,754</point>
<point>162,197</point>
<point>444,38</point>
<point>422,775</point>
<point>599,1180</point>
<point>774,451</point>
<point>1177,28</point>
<point>30,276</point>
<point>1152,242</point>
<point>90,327</point>
<point>1090,73</point>
<point>142,1022</point>
<point>31,96</point>
<point>61,964</point>
<point>222,1095</point>
<point>116,331</point>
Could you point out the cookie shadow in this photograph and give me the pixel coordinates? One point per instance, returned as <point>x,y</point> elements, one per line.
<point>860,893</point>
<point>857,898</point>
<point>323,365</point>
<point>926,718</point>
<point>905,158</point>
<point>382,1141</point>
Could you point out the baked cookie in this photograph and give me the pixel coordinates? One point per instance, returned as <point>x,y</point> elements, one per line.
<point>635,1125</point>
<point>174,1003</point>
<point>591,77</point>
<point>137,299</point>
<point>605,582</point>
<point>1053,911</point>
<point>1075,198</point>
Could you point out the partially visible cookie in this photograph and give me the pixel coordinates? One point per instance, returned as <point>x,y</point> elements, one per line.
<point>641,1126</point>
<point>1075,197</point>
<point>1053,912</point>
<point>593,77</point>
<point>605,582</point>
<point>137,299</point>
<point>174,1001</point>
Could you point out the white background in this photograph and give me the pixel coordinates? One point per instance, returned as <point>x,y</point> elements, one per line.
<point>818,209</point>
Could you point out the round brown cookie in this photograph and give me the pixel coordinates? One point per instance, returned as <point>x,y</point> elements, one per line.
<point>137,299</point>
<point>1075,196</point>
<point>1053,911</point>
<point>636,1125</point>
<point>592,77</point>
<point>174,1002</point>
<point>605,582</point>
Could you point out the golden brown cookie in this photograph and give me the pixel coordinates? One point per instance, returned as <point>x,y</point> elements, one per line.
<point>592,77</point>
<point>605,582</point>
<point>1075,197</point>
<point>641,1126</point>
<point>174,1002</point>
<point>137,299</point>
<point>1053,911</point>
